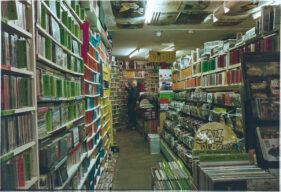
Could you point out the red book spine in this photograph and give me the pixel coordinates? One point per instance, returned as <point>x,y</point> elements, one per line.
<point>20,171</point>
<point>232,76</point>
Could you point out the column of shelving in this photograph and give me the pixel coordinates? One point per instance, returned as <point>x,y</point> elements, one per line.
<point>19,146</point>
<point>60,97</point>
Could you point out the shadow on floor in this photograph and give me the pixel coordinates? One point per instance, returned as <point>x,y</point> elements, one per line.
<point>133,170</point>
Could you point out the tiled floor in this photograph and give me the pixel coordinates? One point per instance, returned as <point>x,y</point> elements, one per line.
<point>133,171</point>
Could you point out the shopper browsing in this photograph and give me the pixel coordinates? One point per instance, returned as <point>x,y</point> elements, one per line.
<point>132,99</point>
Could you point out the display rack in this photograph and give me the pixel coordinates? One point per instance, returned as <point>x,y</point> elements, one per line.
<point>18,98</point>
<point>115,94</point>
<point>60,94</point>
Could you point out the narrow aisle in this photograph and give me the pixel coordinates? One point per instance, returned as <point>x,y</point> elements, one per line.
<point>133,170</point>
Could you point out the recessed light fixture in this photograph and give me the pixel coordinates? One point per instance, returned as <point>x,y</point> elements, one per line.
<point>226,9</point>
<point>158,33</point>
<point>135,52</point>
<point>214,18</point>
<point>150,8</point>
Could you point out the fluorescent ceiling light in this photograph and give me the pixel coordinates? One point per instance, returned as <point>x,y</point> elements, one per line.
<point>256,15</point>
<point>225,9</point>
<point>158,33</point>
<point>135,52</point>
<point>150,8</point>
<point>214,18</point>
<point>207,18</point>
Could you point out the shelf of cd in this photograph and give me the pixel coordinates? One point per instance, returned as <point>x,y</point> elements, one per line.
<point>92,95</point>
<point>55,66</point>
<point>95,146</point>
<point>106,132</point>
<point>87,125</point>
<point>92,163</point>
<point>10,69</point>
<point>91,69</point>
<point>17,111</point>
<point>93,83</point>
<point>92,58</point>
<point>66,125</point>
<point>42,99</point>
<point>17,151</point>
<point>60,22</point>
<point>93,135</point>
<point>73,12</point>
<point>72,171</point>
<point>29,184</point>
<point>105,123</point>
<point>14,29</point>
<point>91,109</point>
<point>47,35</point>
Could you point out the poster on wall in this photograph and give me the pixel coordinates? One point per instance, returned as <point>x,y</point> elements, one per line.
<point>165,85</point>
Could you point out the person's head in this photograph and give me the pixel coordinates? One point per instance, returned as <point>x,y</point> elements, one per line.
<point>134,83</point>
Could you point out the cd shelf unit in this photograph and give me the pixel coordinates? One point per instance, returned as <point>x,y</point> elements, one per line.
<point>209,91</point>
<point>114,94</point>
<point>92,86</point>
<point>106,108</point>
<point>19,143</point>
<point>60,94</point>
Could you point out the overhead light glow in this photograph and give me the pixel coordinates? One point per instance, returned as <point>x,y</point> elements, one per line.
<point>214,18</point>
<point>150,8</point>
<point>207,18</point>
<point>257,15</point>
<point>158,33</point>
<point>225,9</point>
<point>135,52</point>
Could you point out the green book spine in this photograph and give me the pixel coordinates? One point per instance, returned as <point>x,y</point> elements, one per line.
<point>46,85</point>
<point>12,10</point>
<point>43,17</point>
<point>58,8</point>
<point>48,44</point>
<point>47,2</point>
<point>69,23</point>
<point>49,121</point>
<point>68,89</point>
<point>77,10</point>
<point>82,14</point>
<point>75,65</point>
<point>21,54</point>
<point>76,30</point>
<point>72,26</point>
<point>27,167</point>
<point>59,88</point>
<point>68,61</point>
<point>73,5</point>
<point>64,18</point>
<point>69,44</point>
<point>82,66</point>
<point>65,88</point>
<point>53,86</point>
<point>72,89</point>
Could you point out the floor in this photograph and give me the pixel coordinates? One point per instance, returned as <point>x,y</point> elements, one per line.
<point>133,170</point>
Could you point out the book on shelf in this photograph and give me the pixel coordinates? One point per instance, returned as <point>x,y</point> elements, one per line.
<point>16,171</point>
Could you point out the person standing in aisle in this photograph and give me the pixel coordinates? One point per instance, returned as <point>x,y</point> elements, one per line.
<point>132,100</point>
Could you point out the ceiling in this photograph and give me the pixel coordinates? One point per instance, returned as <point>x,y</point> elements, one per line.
<point>183,24</point>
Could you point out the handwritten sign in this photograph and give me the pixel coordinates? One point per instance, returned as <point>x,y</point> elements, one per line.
<point>162,56</point>
<point>215,136</point>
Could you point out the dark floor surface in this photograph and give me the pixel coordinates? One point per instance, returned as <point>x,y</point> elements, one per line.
<point>133,170</point>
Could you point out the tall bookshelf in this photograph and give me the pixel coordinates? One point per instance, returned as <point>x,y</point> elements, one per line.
<point>60,94</point>
<point>19,143</point>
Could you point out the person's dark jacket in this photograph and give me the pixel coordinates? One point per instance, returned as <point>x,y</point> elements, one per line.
<point>132,96</point>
